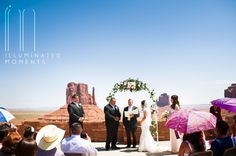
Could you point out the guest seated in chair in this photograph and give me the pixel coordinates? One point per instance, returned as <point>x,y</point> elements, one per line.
<point>48,141</point>
<point>223,141</point>
<point>26,147</point>
<point>78,143</point>
<point>192,143</point>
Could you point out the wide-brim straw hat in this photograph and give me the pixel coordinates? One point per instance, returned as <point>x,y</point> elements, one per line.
<point>49,137</point>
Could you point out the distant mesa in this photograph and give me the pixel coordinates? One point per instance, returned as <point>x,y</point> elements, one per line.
<point>230,92</point>
<point>163,100</point>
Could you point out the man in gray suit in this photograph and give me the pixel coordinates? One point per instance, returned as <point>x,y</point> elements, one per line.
<point>76,111</point>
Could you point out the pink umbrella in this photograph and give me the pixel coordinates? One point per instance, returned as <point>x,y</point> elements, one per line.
<point>190,121</point>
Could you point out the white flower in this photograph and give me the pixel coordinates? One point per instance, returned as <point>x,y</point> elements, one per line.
<point>165,114</point>
<point>131,85</point>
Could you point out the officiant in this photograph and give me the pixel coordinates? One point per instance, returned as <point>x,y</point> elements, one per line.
<point>130,115</point>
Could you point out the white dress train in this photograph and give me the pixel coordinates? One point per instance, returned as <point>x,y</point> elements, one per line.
<point>147,143</point>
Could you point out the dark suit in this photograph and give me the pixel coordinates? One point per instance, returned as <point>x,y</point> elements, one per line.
<point>75,112</point>
<point>130,126</point>
<point>111,124</point>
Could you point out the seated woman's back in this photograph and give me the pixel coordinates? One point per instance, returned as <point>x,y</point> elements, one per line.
<point>185,149</point>
<point>192,143</point>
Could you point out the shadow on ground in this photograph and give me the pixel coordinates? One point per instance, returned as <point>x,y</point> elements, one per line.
<point>129,150</point>
<point>160,153</point>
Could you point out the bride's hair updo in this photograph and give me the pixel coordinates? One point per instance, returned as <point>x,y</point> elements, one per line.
<point>144,103</point>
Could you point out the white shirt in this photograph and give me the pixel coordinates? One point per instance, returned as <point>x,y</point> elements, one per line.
<point>78,104</point>
<point>76,144</point>
<point>130,108</point>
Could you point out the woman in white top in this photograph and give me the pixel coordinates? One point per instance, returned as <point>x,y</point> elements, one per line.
<point>192,143</point>
<point>174,141</point>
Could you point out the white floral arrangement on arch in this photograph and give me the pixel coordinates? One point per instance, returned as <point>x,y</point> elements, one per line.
<point>165,115</point>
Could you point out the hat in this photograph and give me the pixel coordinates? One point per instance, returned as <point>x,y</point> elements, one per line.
<point>49,137</point>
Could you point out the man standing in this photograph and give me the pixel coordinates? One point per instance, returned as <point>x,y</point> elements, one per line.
<point>76,111</point>
<point>130,123</point>
<point>112,117</point>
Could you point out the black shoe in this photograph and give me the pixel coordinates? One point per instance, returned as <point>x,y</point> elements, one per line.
<point>115,148</point>
<point>128,146</point>
<point>107,148</point>
<point>134,146</point>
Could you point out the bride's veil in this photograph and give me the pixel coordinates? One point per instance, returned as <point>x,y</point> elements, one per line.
<point>147,108</point>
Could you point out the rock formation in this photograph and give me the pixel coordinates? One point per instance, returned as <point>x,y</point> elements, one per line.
<point>92,112</point>
<point>163,100</point>
<point>82,90</point>
<point>230,92</point>
<point>93,95</point>
<point>70,90</point>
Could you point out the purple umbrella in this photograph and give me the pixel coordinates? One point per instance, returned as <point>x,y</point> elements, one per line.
<point>225,103</point>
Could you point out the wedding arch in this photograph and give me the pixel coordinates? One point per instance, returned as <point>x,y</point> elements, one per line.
<point>135,85</point>
<point>132,85</point>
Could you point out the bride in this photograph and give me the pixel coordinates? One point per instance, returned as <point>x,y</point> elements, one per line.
<point>147,143</point>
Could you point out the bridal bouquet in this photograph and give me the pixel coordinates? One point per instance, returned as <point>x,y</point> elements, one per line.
<point>165,114</point>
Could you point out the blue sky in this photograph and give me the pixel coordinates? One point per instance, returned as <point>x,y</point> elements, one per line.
<point>181,47</point>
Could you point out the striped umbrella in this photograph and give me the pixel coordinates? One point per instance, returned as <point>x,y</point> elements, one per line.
<point>189,121</point>
<point>5,116</point>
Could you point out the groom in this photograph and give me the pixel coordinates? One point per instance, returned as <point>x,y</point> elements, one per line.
<point>112,117</point>
<point>130,123</point>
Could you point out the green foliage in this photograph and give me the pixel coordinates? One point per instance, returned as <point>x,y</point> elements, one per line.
<point>132,85</point>
<point>153,129</point>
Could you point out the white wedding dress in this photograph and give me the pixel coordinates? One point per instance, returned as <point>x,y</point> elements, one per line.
<point>174,142</point>
<point>147,143</point>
